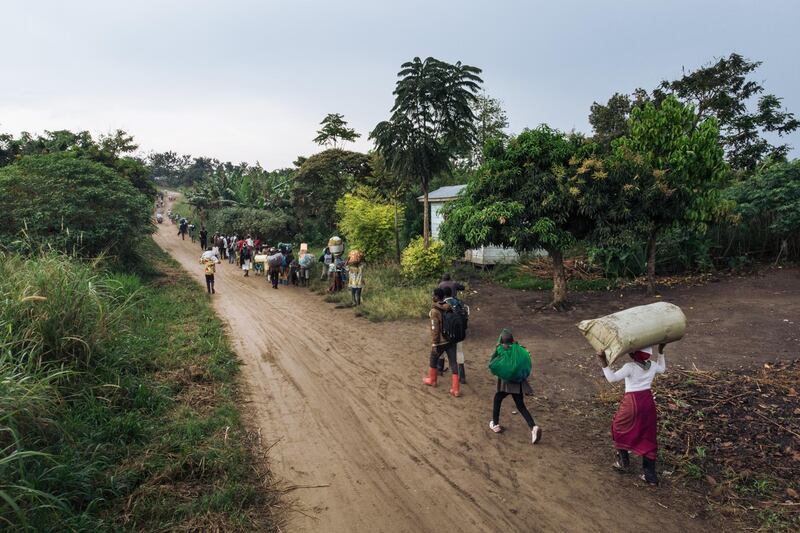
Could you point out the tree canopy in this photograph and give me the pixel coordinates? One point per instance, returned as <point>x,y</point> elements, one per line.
<point>334,131</point>
<point>432,121</point>
<point>71,203</point>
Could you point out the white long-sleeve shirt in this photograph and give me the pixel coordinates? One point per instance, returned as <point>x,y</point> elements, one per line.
<point>636,377</point>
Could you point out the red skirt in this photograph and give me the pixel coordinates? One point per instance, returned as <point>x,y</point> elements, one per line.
<point>634,426</point>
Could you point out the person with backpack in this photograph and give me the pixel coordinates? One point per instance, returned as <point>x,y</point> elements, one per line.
<point>454,286</point>
<point>441,344</point>
<point>182,226</point>
<point>511,363</point>
<point>462,310</point>
<point>203,237</point>
<point>274,261</point>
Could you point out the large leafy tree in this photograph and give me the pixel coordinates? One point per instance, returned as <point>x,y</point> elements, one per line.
<point>723,91</point>
<point>544,189</point>
<point>71,203</point>
<point>770,202</point>
<point>334,131</point>
<point>113,150</point>
<point>388,187</point>
<point>432,122</point>
<point>491,122</point>
<point>674,168</point>
<point>320,181</point>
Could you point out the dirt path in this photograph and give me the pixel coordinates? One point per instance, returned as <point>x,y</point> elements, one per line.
<point>380,452</point>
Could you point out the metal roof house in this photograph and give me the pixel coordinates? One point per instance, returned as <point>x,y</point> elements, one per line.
<point>485,255</point>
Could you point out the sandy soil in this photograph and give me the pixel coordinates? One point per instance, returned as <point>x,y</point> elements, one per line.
<point>372,449</point>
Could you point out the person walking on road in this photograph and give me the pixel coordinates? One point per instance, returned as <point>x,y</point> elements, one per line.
<point>458,306</point>
<point>274,260</point>
<point>440,344</point>
<point>182,227</point>
<point>245,255</point>
<point>454,286</point>
<point>355,275</point>
<point>203,237</point>
<point>515,388</point>
<point>209,260</point>
<point>326,259</point>
<point>634,427</point>
<point>219,245</point>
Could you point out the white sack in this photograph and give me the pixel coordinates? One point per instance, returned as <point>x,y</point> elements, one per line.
<point>635,328</point>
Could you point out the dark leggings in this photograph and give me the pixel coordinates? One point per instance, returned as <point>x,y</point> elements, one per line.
<point>355,292</point>
<point>450,349</point>
<point>210,282</point>
<point>520,403</point>
<point>274,276</point>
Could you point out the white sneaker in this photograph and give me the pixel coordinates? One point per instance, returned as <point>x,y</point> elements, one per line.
<point>495,427</point>
<point>536,434</point>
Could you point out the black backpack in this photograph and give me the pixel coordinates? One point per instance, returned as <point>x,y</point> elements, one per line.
<point>455,322</point>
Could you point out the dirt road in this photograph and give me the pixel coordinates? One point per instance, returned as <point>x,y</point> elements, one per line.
<point>378,451</point>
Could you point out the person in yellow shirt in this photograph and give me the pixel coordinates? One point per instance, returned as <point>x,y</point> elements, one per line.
<point>209,260</point>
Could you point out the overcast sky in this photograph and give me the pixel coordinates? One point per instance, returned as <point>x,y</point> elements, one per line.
<point>248,80</point>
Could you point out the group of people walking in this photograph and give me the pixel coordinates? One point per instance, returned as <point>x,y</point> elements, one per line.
<point>633,428</point>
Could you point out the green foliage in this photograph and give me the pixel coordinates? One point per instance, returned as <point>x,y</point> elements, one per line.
<point>320,181</point>
<point>432,121</point>
<point>491,122</point>
<point>71,203</point>
<point>420,262</point>
<point>98,426</point>
<point>723,91</point>
<point>108,150</point>
<point>367,225</point>
<point>771,198</point>
<point>270,225</point>
<point>334,129</point>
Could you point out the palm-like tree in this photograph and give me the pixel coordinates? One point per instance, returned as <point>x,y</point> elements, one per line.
<point>431,121</point>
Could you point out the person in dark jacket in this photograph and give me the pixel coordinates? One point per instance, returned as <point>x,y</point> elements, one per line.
<point>454,286</point>
<point>440,345</point>
<point>203,237</point>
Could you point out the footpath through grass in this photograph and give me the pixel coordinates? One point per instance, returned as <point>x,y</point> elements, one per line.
<point>119,408</point>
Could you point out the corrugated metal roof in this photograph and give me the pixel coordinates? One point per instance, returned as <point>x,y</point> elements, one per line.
<point>448,192</point>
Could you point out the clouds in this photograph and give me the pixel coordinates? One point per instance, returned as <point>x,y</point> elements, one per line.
<point>250,80</point>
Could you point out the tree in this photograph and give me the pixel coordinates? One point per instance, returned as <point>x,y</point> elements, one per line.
<point>432,121</point>
<point>391,187</point>
<point>544,189</point>
<point>610,121</point>
<point>771,200</point>
<point>71,203</point>
<point>334,129</point>
<point>491,122</point>
<point>675,163</point>
<point>366,223</point>
<point>318,184</point>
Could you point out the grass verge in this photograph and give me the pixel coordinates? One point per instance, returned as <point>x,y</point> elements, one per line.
<point>119,408</point>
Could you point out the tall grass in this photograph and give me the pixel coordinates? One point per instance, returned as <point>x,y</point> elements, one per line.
<point>387,295</point>
<point>118,404</point>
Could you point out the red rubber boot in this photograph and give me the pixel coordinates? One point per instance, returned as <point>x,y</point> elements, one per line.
<point>455,388</point>
<point>431,379</point>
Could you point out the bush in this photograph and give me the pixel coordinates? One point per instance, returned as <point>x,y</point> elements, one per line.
<point>367,225</point>
<point>419,262</point>
<point>72,204</point>
<point>270,225</point>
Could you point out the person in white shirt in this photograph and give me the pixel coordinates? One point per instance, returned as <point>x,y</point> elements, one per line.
<point>635,425</point>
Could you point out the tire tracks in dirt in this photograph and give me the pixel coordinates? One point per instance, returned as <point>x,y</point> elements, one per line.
<point>343,402</point>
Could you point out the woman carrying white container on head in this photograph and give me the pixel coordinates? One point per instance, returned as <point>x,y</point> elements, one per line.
<point>634,426</point>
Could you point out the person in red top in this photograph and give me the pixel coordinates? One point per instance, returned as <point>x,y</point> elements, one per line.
<point>257,244</point>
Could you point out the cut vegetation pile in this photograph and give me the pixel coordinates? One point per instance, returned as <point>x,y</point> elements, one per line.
<point>736,437</point>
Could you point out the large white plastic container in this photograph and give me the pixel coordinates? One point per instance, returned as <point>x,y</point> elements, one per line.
<point>635,328</point>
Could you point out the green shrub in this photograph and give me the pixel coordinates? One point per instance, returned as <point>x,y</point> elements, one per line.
<point>72,204</point>
<point>367,225</point>
<point>271,226</point>
<point>421,262</point>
